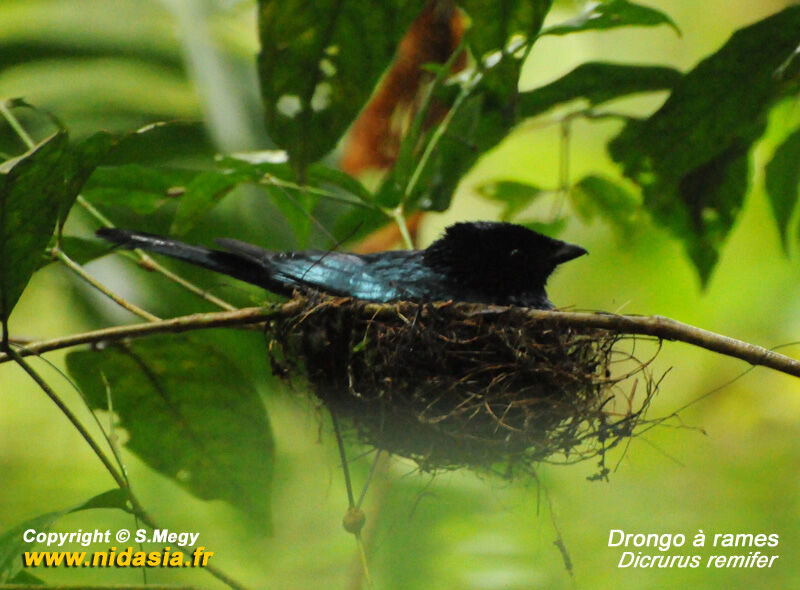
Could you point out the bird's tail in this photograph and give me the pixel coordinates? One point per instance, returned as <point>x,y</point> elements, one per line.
<point>227,263</point>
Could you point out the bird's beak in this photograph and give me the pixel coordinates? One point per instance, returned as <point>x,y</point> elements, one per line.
<point>567,252</point>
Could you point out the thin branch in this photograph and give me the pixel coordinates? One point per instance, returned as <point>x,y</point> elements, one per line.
<point>17,357</point>
<point>356,201</point>
<point>351,501</point>
<point>241,317</point>
<point>9,354</point>
<point>657,326</point>
<point>400,220</point>
<point>78,270</point>
<point>16,125</point>
<point>119,476</point>
<point>149,263</point>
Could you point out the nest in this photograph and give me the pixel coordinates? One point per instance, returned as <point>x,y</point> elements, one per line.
<point>452,385</point>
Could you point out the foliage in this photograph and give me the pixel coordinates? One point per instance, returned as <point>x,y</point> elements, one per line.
<point>691,156</point>
<point>319,64</point>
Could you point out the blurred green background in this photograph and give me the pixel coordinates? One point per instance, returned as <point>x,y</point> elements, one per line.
<point>734,468</point>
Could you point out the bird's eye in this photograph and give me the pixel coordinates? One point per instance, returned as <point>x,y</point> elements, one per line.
<point>515,253</point>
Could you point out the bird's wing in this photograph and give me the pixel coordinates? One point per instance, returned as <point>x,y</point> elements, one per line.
<point>376,277</point>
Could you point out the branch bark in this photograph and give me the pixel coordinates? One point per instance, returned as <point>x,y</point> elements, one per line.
<point>657,326</point>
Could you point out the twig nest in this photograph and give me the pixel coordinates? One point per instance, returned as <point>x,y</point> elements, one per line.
<point>452,385</point>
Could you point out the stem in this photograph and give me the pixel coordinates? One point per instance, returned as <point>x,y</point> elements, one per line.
<point>364,562</point>
<point>118,477</point>
<point>94,211</point>
<point>17,358</point>
<point>657,326</point>
<point>11,354</point>
<point>431,145</point>
<point>413,135</point>
<point>351,498</point>
<point>241,317</point>
<point>16,125</point>
<point>343,456</point>
<point>269,179</point>
<point>78,269</point>
<point>148,262</point>
<point>400,220</point>
<point>370,475</point>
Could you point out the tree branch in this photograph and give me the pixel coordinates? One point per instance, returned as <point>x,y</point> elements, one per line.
<point>657,326</point>
<point>199,321</point>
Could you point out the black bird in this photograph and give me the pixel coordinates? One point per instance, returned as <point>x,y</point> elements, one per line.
<point>483,262</point>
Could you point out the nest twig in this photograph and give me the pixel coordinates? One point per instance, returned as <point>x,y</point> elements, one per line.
<point>467,385</point>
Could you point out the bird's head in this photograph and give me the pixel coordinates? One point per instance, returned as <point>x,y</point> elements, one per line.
<point>499,258</point>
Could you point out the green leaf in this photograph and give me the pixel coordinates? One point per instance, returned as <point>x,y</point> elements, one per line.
<point>26,579</point>
<point>494,23</point>
<point>318,64</point>
<point>599,16</point>
<point>515,196</point>
<point>324,176</point>
<point>597,82</point>
<point>483,110</point>
<point>478,126</point>
<point>141,189</point>
<point>690,157</point>
<point>32,189</point>
<point>160,142</point>
<point>80,163</point>
<point>783,181</point>
<point>81,250</point>
<point>115,498</point>
<point>502,30</point>
<point>548,228</point>
<point>201,194</point>
<point>209,187</point>
<point>479,119</point>
<point>597,195</point>
<point>13,545</point>
<point>297,207</point>
<point>190,414</point>
<point>271,172</point>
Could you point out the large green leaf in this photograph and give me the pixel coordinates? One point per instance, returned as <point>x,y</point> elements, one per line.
<point>32,189</point>
<point>13,545</point>
<point>690,157</point>
<point>598,16</point>
<point>38,188</point>
<point>515,196</point>
<point>190,414</point>
<point>597,195</point>
<point>201,193</point>
<point>81,160</point>
<point>597,82</point>
<point>318,64</point>
<point>268,170</point>
<point>160,142</point>
<point>141,189</point>
<point>783,182</point>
